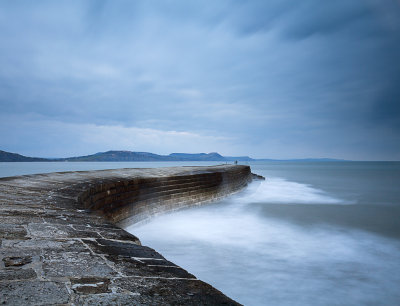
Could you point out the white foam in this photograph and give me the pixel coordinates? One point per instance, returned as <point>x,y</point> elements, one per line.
<point>279,191</point>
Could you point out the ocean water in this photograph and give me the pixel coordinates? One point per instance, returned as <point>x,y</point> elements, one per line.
<point>311,234</point>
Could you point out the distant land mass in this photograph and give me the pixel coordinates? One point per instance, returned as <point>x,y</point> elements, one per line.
<point>14,157</point>
<point>127,156</point>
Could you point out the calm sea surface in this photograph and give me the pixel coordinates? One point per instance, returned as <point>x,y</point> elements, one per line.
<point>311,234</point>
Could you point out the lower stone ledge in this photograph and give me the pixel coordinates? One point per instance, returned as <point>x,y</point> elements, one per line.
<point>156,291</point>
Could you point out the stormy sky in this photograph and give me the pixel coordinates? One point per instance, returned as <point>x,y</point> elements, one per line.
<point>272,79</point>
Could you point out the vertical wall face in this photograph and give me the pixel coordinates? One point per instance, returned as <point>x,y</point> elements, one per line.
<point>129,201</point>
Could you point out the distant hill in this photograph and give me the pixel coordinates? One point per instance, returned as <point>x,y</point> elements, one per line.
<point>121,156</point>
<point>145,156</point>
<point>198,156</point>
<point>128,156</point>
<point>14,157</point>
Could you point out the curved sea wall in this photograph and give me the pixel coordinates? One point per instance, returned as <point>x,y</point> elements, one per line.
<point>60,243</point>
<point>130,200</point>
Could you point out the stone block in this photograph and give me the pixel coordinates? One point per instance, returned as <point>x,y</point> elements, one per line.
<point>74,264</point>
<point>110,299</point>
<point>17,274</point>
<point>159,291</point>
<point>109,233</point>
<point>133,267</point>
<point>44,230</point>
<point>38,246</point>
<point>33,293</point>
<point>17,261</point>
<point>12,231</point>
<point>111,247</point>
<point>90,285</point>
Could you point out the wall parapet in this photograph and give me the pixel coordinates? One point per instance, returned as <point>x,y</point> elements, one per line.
<point>59,243</point>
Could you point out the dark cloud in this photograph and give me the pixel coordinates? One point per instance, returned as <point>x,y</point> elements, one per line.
<point>326,18</point>
<point>386,107</point>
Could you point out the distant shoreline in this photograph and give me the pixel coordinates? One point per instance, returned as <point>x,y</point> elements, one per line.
<point>129,156</point>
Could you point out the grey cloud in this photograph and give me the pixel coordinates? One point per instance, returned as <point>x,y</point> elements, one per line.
<point>259,72</point>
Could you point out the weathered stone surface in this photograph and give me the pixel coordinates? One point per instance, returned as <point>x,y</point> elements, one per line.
<point>12,231</point>
<point>33,293</point>
<point>61,264</point>
<point>17,261</point>
<point>17,274</point>
<point>108,233</point>
<point>112,247</point>
<point>38,246</point>
<point>180,292</point>
<point>136,291</point>
<point>45,230</point>
<point>59,243</point>
<point>111,299</point>
<point>88,285</point>
<point>139,267</point>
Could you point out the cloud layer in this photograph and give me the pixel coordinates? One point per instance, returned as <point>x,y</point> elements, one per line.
<point>277,79</point>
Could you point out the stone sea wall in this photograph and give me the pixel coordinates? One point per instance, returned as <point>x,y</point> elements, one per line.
<point>59,242</point>
<point>129,201</point>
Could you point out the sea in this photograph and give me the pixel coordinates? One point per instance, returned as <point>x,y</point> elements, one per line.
<point>312,233</point>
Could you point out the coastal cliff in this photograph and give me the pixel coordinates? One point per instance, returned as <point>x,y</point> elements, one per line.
<point>59,242</point>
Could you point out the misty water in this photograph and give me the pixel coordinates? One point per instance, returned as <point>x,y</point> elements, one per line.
<point>311,234</point>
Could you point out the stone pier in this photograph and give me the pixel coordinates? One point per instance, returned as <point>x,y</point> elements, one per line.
<point>61,240</point>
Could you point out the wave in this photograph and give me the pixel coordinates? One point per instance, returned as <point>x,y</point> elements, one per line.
<point>281,191</point>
